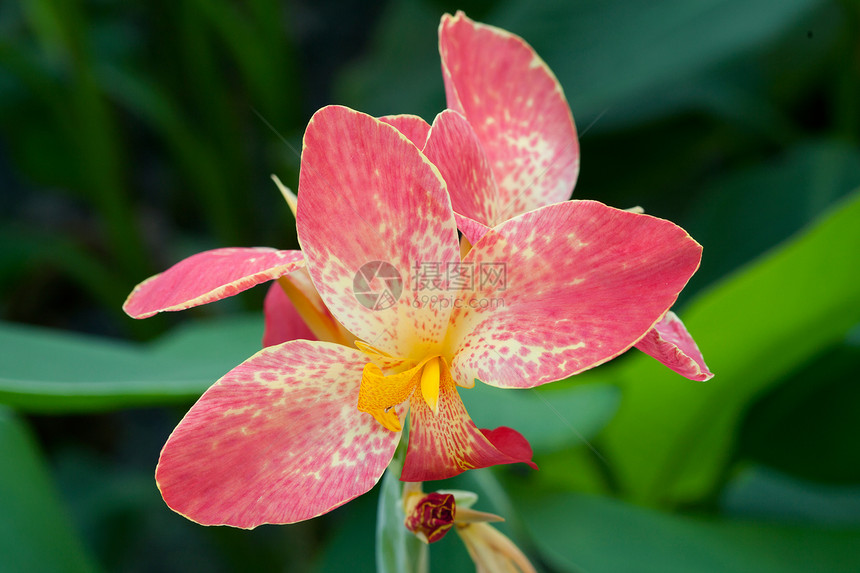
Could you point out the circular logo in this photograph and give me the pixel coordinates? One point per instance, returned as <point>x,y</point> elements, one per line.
<point>377,285</point>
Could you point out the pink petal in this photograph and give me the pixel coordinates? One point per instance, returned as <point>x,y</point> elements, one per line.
<point>670,343</point>
<point>300,293</point>
<point>413,127</point>
<point>454,148</point>
<point>283,321</point>
<point>373,208</point>
<point>447,443</point>
<point>209,276</point>
<point>583,283</point>
<point>276,440</point>
<point>473,230</point>
<point>518,109</point>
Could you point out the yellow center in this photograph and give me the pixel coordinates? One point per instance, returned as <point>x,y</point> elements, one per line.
<point>379,394</point>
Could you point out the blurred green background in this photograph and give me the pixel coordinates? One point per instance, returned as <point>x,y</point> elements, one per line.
<point>134,133</point>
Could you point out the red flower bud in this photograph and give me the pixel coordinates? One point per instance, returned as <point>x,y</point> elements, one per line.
<point>432,516</point>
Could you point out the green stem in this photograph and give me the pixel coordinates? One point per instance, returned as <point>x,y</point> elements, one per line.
<point>397,549</point>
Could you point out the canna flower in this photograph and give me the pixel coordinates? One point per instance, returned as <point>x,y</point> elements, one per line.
<point>509,141</point>
<point>511,128</point>
<point>304,426</point>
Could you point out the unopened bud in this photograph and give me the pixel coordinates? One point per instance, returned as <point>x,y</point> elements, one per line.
<point>431,517</point>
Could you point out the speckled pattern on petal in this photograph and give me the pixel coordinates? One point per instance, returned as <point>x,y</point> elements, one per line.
<point>473,230</point>
<point>516,106</point>
<point>447,443</point>
<point>209,276</point>
<point>584,282</point>
<point>454,148</point>
<point>368,194</point>
<point>413,127</point>
<point>276,440</point>
<point>671,344</point>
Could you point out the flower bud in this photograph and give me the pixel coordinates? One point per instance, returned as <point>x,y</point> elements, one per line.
<point>431,516</point>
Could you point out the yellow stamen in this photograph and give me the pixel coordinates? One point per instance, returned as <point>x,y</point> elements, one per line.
<point>380,393</point>
<point>430,384</point>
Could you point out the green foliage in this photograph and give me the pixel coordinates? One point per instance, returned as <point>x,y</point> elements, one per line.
<point>756,327</point>
<point>44,371</point>
<point>549,418</point>
<point>397,550</point>
<point>605,535</point>
<point>35,531</point>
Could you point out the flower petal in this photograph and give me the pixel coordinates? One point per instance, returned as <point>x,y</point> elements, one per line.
<point>304,299</point>
<point>276,440</point>
<point>670,343</point>
<point>283,322</point>
<point>491,550</point>
<point>209,276</point>
<point>518,109</point>
<point>454,148</point>
<point>371,208</point>
<point>473,230</point>
<point>576,284</point>
<point>447,443</point>
<point>413,127</point>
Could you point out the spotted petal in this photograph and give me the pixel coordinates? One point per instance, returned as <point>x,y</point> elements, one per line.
<point>447,442</point>
<point>670,343</point>
<point>277,440</point>
<point>454,148</point>
<point>413,127</point>
<point>575,284</point>
<point>471,229</point>
<point>209,276</point>
<point>517,108</point>
<point>362,175</point>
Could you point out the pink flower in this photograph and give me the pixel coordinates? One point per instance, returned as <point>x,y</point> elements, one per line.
<point>508,145</point>
<point>304,426</point>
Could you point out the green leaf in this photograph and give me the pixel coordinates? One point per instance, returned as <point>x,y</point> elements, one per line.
<point>825,395</point>
<point>351,541</point>
<point>45,371</point>
<point>762,493</point>
<point>35,532</point>
<point>611,52</point>
<point>607,54</point>
<point>397,549</point>
<point>549,419</point>
<point>767,203</point>
<point>583,533</point>
<point>671,437</point>
<point>402,74</point>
